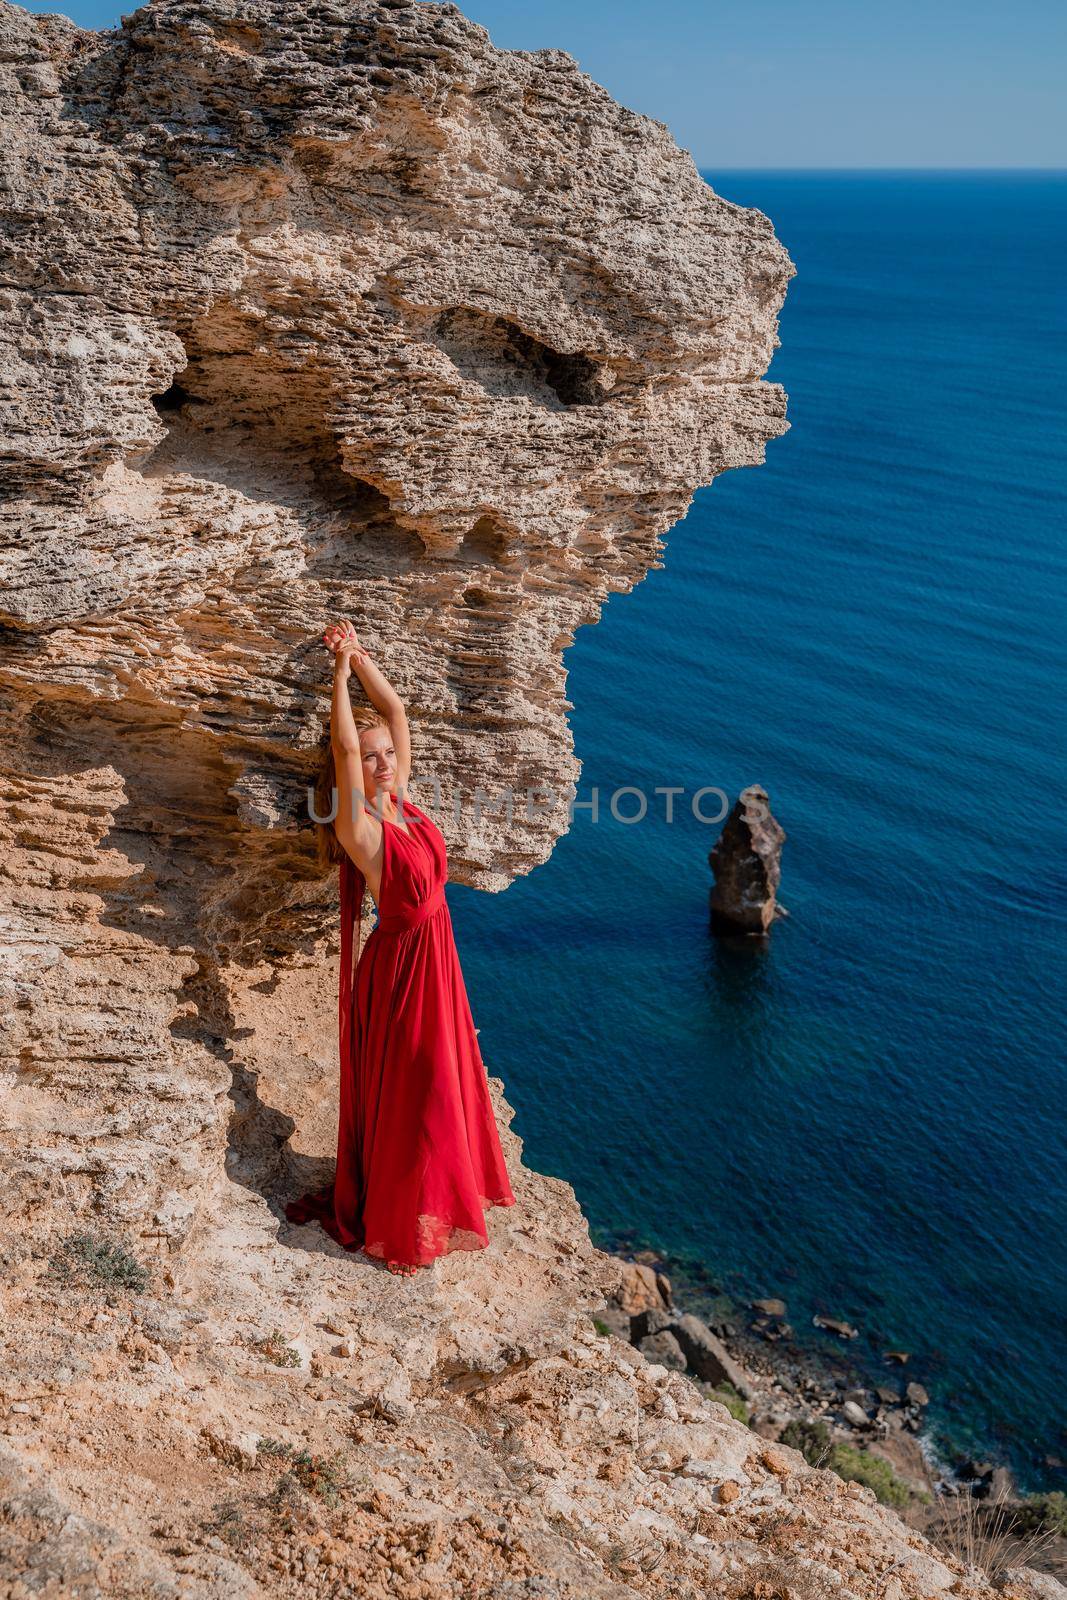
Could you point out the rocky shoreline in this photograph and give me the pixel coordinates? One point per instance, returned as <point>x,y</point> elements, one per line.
<point>823,1403</point>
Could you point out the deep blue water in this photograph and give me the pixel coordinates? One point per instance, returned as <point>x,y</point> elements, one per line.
<point>867,1118</point>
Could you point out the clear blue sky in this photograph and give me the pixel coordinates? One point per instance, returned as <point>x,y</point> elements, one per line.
<point>807,83</point>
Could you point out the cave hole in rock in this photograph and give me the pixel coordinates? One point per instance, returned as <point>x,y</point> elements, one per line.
<point>252,410</point>
<point>505,361</point>
<point>484,544</point>
<point>252,406</point>
<point>266,420</point>
<point>477,598</point>
<point>170,403</point>
<point>359,499</point>
<point>255,395</point>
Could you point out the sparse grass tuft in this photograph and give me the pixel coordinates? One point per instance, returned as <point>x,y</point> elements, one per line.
<point>777,1578</point>
<point>274,1349</point>
<point>322,1476</point>
<point>96,1262</point>
<point>229,1525</point>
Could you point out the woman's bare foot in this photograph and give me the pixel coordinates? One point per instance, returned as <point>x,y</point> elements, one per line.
<point>402,1269</point>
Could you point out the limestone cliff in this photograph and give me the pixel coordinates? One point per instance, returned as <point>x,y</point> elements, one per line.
<point>310,310</point>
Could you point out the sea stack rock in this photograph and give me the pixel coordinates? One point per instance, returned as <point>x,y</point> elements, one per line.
<point>747,863</point>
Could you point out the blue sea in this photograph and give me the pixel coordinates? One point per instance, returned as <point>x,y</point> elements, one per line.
<point>867,1117</point>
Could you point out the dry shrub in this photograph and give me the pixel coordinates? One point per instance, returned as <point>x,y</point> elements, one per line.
<point>987,1534</point>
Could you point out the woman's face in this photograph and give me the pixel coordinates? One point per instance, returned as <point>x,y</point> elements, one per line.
<point>379,761</point>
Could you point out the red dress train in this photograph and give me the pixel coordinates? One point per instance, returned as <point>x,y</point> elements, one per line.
<point>418,1153</point>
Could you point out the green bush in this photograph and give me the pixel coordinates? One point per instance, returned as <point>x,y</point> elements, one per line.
<point>812,1439</point>
<point>860,1466</point>
<point>273,1447</point>
<point>1040,1512</point>
<point>729,1397</point>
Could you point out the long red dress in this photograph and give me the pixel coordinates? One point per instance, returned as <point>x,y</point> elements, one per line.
<point>418,1153</point>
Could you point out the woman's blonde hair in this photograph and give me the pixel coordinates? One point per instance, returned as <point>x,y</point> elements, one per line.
<point>328,847</point>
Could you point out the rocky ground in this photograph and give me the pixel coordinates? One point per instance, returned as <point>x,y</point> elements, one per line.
<point>749,1355</point>
<point>266,1415</point>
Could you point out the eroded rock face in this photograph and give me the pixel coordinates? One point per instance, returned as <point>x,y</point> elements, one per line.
<point>308,310</point>
<point>314,310</point>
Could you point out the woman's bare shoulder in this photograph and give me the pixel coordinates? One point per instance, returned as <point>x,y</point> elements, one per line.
<point>361,838</point>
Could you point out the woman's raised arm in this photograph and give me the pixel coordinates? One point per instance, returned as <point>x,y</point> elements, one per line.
<point>382,696</point>
<point>356,832</point>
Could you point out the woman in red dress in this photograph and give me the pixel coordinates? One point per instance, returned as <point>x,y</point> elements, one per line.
<point>418,1153</point>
